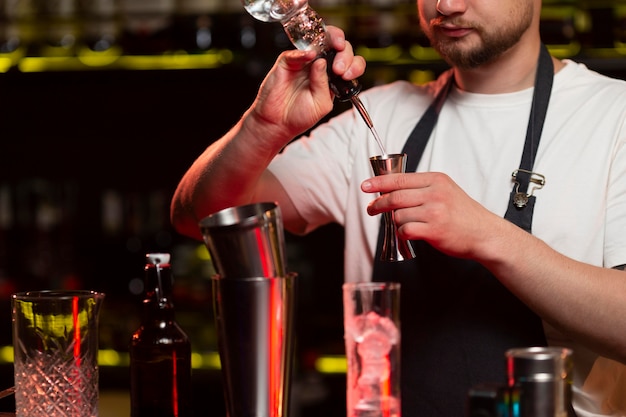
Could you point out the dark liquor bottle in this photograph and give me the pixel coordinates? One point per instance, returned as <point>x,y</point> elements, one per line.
<point>160,351</point>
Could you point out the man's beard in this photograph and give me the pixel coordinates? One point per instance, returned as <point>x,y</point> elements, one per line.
<point>457,51</point>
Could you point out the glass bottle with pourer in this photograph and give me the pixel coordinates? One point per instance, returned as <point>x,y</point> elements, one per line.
<point>306,31</point>
<point>160,351</point>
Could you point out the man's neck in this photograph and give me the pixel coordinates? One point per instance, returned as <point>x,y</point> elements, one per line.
<point>514,71</point>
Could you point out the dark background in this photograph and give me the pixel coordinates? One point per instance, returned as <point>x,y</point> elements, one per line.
<point>67,138</point>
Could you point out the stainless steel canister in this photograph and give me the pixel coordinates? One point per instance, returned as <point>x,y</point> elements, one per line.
<point>541,380</point>
<point>254,318</point>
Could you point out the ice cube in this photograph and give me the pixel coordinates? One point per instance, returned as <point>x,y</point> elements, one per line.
<point>374,372</point>
<point>374,345</point>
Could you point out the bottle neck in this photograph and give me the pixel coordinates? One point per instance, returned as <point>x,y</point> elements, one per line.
<point>158,284</point>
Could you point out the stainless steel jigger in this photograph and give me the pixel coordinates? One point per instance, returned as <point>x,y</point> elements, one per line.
<point>253,302</point>
<point>394,249</point>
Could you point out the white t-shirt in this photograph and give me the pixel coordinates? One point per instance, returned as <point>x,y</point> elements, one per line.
<point>478,142</point>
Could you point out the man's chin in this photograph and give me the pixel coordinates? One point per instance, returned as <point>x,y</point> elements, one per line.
<point>459,52</point>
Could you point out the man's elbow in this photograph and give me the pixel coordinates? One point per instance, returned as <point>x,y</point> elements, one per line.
<point>183,223</point>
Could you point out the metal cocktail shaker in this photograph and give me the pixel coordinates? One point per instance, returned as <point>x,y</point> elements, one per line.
<point>253,301</point>
<point>246,241</point>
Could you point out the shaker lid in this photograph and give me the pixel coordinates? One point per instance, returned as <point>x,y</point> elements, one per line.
<point>538,363</point>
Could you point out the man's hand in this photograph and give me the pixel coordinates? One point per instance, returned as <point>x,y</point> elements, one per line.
<point>431,207</point>
<point>295,94</point>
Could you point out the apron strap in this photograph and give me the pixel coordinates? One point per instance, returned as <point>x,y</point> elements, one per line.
<point>521,203</point>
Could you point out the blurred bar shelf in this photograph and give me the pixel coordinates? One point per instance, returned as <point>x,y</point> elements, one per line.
<point>112,60</point>
<point>417,57</point>
<point>385,32</point>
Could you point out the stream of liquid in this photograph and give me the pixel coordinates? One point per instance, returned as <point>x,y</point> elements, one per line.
<point>363,112</point>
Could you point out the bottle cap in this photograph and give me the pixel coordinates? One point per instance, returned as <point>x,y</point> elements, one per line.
<point>158,258</point>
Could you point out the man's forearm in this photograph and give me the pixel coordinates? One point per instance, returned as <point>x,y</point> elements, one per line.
<point>586,302</point>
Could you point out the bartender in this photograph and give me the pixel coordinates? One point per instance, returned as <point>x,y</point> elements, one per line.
<point>514,197</point>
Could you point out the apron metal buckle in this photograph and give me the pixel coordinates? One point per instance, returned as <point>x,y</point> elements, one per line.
<point>521,198</point>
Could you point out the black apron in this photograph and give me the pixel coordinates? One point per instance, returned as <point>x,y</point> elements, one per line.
<point>457,318</point>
